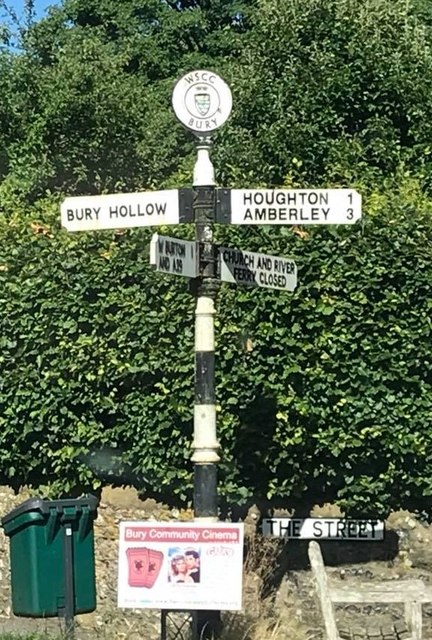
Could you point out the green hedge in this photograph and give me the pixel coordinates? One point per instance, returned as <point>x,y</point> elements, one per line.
<point>322,394</point>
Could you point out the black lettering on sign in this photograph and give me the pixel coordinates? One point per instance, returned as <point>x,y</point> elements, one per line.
<point>164,263</point>
<point>202,76</point>
<point>292,529</point>
<point>264,263</point>
<point>177,265</point>
<point>312,197</point>
<point>191,78</point>
<point>128,210</point>
<point>271,522</point>
<point>175,248</point>
<point>272,279</point>
<point>86,213</point>
<point>260,214</point>
<point>202,124</point>
<point>281,266</point>
<point>242,274</point>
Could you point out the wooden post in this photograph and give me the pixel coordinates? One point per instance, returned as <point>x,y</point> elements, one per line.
<point>413,618</point>
<point>321,584</point>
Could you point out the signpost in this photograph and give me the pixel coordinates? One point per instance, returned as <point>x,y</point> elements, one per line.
<point>288,206</point>
<point>202,102</point>
<point>323,528</point>
<point>172,255</point>
<point>126,210</point>
<point>257,269</point>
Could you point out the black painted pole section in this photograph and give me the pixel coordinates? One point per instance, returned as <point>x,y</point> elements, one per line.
<point>205,444</point>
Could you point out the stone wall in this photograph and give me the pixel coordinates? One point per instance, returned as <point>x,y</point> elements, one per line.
<point>281,567</point>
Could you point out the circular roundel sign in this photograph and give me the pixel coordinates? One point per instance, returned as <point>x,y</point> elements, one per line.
<point>202,101</point>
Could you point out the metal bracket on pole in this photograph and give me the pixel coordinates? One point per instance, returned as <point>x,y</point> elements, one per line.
<point>186,205</point>
<point>223,206</point>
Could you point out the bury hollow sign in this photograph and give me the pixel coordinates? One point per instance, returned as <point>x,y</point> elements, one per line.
<point>121,210</point>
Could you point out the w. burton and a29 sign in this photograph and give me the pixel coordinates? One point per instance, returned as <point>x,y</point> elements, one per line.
<point>175,256</point>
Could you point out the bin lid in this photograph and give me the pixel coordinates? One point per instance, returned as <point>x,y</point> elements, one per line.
<point>44,506</point>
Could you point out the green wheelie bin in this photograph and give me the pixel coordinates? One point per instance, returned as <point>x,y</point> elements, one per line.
<point>52,556</point>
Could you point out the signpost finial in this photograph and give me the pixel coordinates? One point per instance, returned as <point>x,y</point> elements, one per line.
<point>202,101</point>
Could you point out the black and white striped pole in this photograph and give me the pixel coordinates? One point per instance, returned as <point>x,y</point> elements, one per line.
<point>205,444</point>
<point>202,101</point>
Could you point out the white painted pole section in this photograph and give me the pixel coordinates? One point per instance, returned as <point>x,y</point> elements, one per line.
<point>204,324</point>
<point>205,443</point>
<point>204,175</point>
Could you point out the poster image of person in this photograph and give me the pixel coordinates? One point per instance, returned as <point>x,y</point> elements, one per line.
<point>177,569</point>
<point>183,565</point>
<point>192,558</point>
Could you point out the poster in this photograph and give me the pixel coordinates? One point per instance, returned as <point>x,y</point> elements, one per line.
<point>175,565</point>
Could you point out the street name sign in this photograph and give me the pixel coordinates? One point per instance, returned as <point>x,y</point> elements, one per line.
<point>257,269</point>
<point>288,206</point>
<point>175,256</point>
<point>202,101</point>
<point>323,528</point>
<point>125,210</point>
